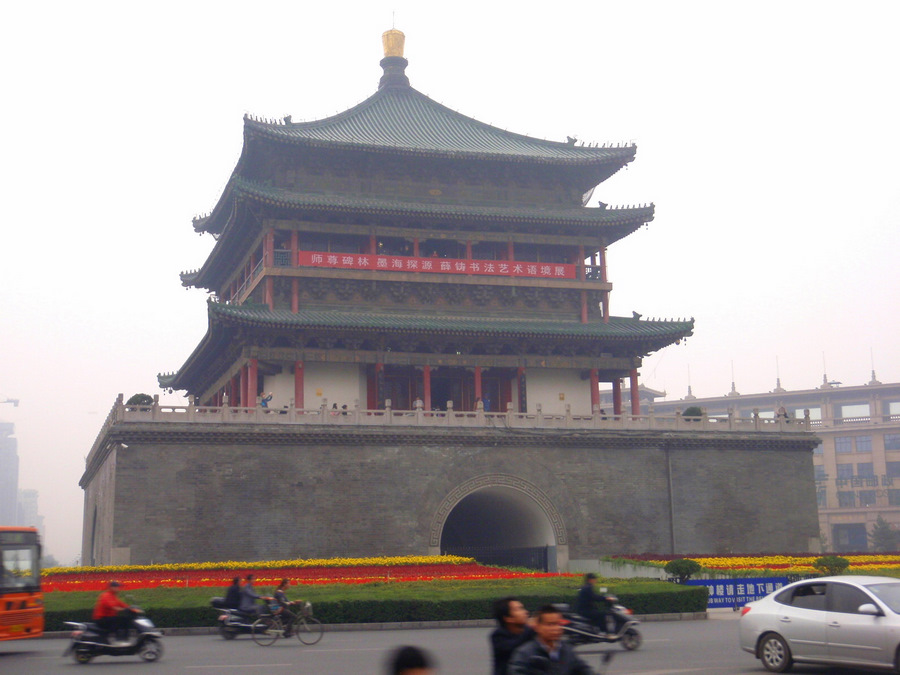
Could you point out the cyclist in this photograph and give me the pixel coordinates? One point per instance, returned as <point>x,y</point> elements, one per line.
<point>287,616</point>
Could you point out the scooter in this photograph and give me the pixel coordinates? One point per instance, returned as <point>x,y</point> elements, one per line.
<point>232,622</point>
<point>89,640</point>
<point>579,631</point>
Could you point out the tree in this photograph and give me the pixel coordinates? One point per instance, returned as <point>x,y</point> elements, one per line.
<point>831,565</point>
<point>140,399</point>
<point>692,411</point>
<point>682,569</point>
<point>883,537</point>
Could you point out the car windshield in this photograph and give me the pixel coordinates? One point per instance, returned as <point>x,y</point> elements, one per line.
<point>888,593</point>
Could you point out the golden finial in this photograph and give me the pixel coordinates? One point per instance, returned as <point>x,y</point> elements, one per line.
<point>393,42</point>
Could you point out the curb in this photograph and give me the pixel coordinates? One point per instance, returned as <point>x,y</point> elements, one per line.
<point>402,625</point>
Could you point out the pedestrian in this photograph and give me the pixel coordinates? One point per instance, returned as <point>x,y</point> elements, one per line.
<point>547,652</point>
<point>410,661</point>
<point>514,628</point>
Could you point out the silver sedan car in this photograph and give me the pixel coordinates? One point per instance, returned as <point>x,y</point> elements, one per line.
<point>844,620</point>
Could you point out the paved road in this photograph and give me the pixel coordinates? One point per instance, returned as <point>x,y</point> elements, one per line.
<point>705,647</point>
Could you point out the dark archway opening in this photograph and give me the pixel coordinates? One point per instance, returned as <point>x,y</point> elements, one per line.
<point>500,526</point>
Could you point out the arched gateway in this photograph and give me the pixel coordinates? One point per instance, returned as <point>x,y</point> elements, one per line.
<point>500,518</point>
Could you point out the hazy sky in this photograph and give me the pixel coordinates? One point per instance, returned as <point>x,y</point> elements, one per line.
<point>768,137</point>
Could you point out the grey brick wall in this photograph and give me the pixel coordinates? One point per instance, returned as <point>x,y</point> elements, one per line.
<point>242,495</point>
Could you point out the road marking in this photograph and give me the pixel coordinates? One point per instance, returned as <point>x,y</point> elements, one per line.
<point>250,665</point>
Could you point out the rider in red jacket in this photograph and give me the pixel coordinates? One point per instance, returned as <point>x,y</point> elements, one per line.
<point>107,610</point>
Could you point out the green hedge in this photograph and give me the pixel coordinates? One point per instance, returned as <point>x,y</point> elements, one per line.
<point>385,603</point>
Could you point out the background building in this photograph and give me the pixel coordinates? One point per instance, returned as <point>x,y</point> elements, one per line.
<point>9,474</point>
<point>857,464</point>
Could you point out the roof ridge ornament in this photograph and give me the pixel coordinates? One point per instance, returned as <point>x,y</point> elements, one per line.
<point>393,63</point>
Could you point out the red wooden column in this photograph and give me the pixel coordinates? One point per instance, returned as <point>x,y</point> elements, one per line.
<point>595,389</point>
<point>252,383</point>
<point>617,396</point>
<point>584,309</point>
<point>298,384</point>
<point>426,387</point>
<point>635,395</point>
<point>477,382</point>
<point>269,249</point>
<point>415,247</point>
<point>295,248</point>
<point>373,245</point>
<point>270,293</point>
<point>581,262</point>
<point>244,385</point>
<point>295,295</point>
<point>468,249</point>
<point>603,278</point>
<point>510,250</point>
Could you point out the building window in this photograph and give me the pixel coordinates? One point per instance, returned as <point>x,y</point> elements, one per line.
<point>893,497</point>
<point>893,469</point>
<point>892,441</point>
<point>846,499</point>
<point>819,449</point>
<point>822,494</point>
<point>864,444</point>
<point>843,444</point>
<point>865,469</point>
<point>855,411</point>
<point>867,497</point>
<point>845,471</point>
<point>820,472</point>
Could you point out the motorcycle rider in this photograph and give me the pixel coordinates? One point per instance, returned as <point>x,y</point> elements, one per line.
<point>586,604</point>
<point>514,628</point>
<point>109,612</point>
<point>547,652</point>
<point>233,594</point>
<point>249,597</point>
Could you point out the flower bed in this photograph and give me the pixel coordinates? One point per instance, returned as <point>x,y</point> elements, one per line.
<point>305,572</point>
<point>785,564</point>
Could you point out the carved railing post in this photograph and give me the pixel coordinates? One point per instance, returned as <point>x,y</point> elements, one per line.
<point>387,411</point>
<point>154,409</point>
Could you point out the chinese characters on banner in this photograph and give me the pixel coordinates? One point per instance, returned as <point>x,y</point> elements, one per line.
<point>402,263</point>
<point>737,592</point>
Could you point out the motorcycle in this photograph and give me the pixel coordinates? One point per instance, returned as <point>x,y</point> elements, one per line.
<point>579,631</point>
<point>232,622</point>
<point>89,640</point>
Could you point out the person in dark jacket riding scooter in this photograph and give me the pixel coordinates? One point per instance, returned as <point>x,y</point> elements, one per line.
<point>233,594</point>
<point>595,607</point>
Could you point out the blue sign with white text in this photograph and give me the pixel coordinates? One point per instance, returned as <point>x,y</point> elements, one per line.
<point>737,592</point>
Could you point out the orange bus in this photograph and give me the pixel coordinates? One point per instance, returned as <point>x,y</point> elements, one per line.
<point>21,601</point>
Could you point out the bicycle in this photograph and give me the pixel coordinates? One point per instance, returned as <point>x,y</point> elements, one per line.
<point>269,627</point>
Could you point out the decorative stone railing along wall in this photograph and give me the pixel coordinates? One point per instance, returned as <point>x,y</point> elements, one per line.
<point>356,416</point>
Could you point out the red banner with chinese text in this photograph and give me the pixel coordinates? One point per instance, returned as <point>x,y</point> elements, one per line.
<point>402,263</point>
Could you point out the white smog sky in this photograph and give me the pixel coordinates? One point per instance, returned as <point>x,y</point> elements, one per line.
<point>768,137</point>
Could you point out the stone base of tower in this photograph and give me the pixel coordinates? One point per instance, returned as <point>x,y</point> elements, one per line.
<point>157,493</point>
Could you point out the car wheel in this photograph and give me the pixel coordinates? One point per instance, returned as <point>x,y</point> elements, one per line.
<point>775,654</point>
